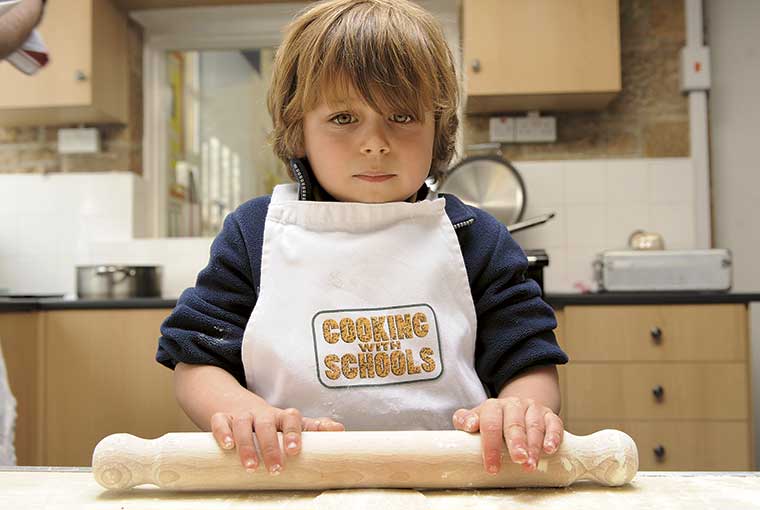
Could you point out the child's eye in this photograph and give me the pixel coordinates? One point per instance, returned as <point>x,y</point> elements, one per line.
<point>342,119</point>
<point>402,118</point>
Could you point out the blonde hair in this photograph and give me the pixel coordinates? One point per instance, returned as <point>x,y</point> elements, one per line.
<point>392,52</point>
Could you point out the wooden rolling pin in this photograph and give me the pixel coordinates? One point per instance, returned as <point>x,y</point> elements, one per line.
<point>338,460</point>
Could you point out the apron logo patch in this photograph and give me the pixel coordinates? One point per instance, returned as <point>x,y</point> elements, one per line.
<point>377,346</point>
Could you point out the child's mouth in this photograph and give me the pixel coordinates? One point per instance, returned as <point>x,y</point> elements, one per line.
<point>374,178</point>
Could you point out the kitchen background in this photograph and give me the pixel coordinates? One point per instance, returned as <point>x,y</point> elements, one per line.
<point>610,172</point>
<point>630,164</point>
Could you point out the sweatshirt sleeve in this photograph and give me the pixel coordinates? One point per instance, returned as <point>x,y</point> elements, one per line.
<point>515,325</point>
<point>206,326</point>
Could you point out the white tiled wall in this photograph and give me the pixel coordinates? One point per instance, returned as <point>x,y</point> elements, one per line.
<point>47,220</point>
<point>49,224</point>
<point>598,204</point>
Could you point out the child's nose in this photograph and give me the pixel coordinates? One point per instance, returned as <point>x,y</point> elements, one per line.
<point>375,140</point>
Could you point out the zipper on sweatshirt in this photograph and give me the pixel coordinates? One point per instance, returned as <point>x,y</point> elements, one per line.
<point>464,223</point>
<point>301,181</point>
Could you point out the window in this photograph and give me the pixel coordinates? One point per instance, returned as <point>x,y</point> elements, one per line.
<point>216,126</point>
<point>206,74</point>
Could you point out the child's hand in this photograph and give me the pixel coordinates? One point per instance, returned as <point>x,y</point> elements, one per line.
<point>230,429</point>
<point>527,426</point>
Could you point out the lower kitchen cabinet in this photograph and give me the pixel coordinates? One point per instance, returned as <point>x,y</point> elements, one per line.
<point>80,375</point>
<point>674,377</point>
<point>21,343</point>
<point>102,378</point>
<point>689,445</point>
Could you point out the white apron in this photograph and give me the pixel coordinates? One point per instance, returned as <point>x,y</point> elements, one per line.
<point>364,314</point>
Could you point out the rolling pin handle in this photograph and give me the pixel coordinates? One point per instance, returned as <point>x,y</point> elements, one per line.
<point>122,461</point>
<point>609,457</point>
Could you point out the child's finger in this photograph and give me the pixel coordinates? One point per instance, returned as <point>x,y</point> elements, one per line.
<point>310,425</point>
<point>329,425</point>
<point>222,431</point>
<point>514,430</point>
<point>491,434</point>
<point>535,424</point>
<point>265,426</point>
<point>242,431</point>
<point>554,431</point>
<point>459,419</point>
<point>290,424</point>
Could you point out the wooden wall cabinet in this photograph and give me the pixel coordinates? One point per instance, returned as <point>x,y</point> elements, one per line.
<point>80,375</point>
<point>524,55</point>
<point>86,78</point>
<point>676,378</point>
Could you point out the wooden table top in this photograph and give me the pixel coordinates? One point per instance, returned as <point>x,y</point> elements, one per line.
<point>38,489</point>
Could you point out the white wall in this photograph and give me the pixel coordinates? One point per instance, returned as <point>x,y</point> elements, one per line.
<point>734,42</point>
<point>45,220</point>
<point>49,224</point>
<point>598,204</point>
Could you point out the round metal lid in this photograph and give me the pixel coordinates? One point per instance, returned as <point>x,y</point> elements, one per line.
<point>490,183</point>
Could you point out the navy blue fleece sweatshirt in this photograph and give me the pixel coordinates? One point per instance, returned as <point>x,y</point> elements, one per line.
<point>514,325</point>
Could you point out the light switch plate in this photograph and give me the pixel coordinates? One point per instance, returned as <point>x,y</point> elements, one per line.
<point>78,141</point>
<point>695,68</point>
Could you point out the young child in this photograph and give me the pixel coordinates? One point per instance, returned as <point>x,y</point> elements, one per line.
<point>356,298</point>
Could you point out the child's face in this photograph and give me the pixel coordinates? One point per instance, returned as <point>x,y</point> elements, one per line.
<point>359,155</point>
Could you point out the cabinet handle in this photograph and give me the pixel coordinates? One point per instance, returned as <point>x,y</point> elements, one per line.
<point>79,75</point>
<point>656,335</point>
<point>476,65</point>
<point>659,452</point>
<point>658,392</point>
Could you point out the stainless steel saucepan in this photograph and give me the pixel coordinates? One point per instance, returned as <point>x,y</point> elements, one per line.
<point>118,282</point>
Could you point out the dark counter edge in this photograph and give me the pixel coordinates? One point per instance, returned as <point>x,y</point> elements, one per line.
<point>649,298</point>
<point>31,305</point>
<point>558,301</point>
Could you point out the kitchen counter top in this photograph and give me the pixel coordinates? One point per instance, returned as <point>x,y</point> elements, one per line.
<point>555,299</point>
<point>51,488</point>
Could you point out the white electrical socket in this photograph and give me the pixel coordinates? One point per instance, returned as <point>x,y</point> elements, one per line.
<point>78,141</point>
<point>501,129</point>
<point>534,128</point>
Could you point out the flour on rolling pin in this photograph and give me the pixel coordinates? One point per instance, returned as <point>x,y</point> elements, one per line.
<point>355,460</point>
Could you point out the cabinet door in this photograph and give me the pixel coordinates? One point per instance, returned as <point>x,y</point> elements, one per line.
<point>86,77</point>
<point>529,54</point>
<point>102,378</point>
<point>21,345</point>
